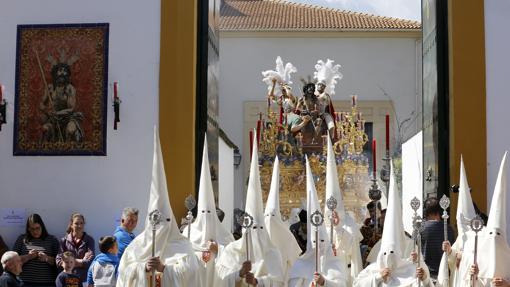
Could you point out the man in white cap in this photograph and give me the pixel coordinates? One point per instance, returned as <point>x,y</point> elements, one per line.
<point>207,235</point>
<point>252,260</point>
<point>465,212</point>
<point>278,230</point>
<point>332,270</point>
<point>174,260</point>
<point>493,257</point>
<point>346,234</point>
<point>391,269</point>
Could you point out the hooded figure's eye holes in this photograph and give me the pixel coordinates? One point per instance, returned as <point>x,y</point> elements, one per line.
<point>208,211</point>
<point>498,233</point>
<point>384,253</point>
<point>391,251</point>
<point>203,211</point>
<point>490,232</point>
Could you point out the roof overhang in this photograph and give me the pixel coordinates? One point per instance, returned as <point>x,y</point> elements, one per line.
<point>314,33</point>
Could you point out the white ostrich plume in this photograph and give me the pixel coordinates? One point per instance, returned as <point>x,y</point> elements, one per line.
<point>281,74</point>
<point>327,74</point>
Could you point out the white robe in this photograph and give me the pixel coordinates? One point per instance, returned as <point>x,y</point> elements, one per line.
<point>402,276</point>
<point>347,238</point>
<point>286,243</point>
<point>180,267</point>
<point>207,272</point>
<point>493,259</point>
<point>457,273</point>
<point>332,269</point>
<point>266,261</point>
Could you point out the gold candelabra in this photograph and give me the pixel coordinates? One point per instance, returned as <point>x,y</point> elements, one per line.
<point>350,130</point>
<point>348,141</point>
<point>276,138</point>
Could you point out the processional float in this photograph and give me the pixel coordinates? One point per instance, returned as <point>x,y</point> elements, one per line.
<point>276,136</point>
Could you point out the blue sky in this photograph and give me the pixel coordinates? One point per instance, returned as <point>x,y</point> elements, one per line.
<point>405,9</point>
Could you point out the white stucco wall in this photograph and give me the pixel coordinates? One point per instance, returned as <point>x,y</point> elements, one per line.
<point>226,182</point>
<point>99,187</point>
<point>497,61</point>
<point>368,64</point>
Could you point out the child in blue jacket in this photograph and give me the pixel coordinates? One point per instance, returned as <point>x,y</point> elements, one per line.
<point>103,270</point>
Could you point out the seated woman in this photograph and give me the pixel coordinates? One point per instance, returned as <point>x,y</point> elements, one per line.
<point>79,243</point>
<point>37,250</point>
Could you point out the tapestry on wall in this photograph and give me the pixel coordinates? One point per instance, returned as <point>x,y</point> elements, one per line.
<point>61,89</point>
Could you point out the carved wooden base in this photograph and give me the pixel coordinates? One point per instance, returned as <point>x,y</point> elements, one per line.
<point>353,178</point>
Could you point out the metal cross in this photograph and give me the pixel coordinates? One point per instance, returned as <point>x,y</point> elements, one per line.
<point>246,222</point>
<point>476,225</point>
<point>332,203</point>
<point>190,203</point>
<point>316,219</point>
<point>154,220</point>
<point>445,203</point>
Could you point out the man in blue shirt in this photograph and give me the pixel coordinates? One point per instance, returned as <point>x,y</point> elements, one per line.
<point>124,233</point>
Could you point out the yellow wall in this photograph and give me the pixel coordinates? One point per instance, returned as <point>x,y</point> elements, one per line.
<point>177,98</point>
<point>467,96</point>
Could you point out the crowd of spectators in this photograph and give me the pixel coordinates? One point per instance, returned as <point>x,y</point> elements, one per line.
<point>40,259</point>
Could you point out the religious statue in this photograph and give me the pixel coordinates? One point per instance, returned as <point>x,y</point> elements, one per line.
<point>286,100</point>
<point>60,120</point>
<point>325,107</point>
<point>310,124</point>
<point>326,75</point>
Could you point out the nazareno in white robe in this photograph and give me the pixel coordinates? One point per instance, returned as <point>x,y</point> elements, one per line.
<point>391,253</point>
<point>267,266</point>
<point>174,250</point>
<point>333,269</point>
<point>279,231</point>
<point>207,227</point>
<point>465,212</point>
<point>493,256</point>
<point>346,235</point>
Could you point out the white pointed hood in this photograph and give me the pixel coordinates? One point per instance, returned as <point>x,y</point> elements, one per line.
<point>333,189</point>
<point>392,241</point>
<point>207,226</point>
<point>330,266</point>
<point>273,199</point>
<point>158,199</point>
<point>496,252</point>
<point>265,257</point>
<point>391,254</point>
<point>254,204</point>
<point>312,205</point>
<point>170,244</point>
<point>497,215</point>
<point>332,185</point>
<point>278,230</point>
<point>465,209</point>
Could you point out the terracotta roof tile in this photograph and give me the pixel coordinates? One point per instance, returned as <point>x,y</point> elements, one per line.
<point>278,15</point>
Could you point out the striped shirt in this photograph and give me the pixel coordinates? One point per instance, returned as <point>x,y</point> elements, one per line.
<point>36,271</point>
